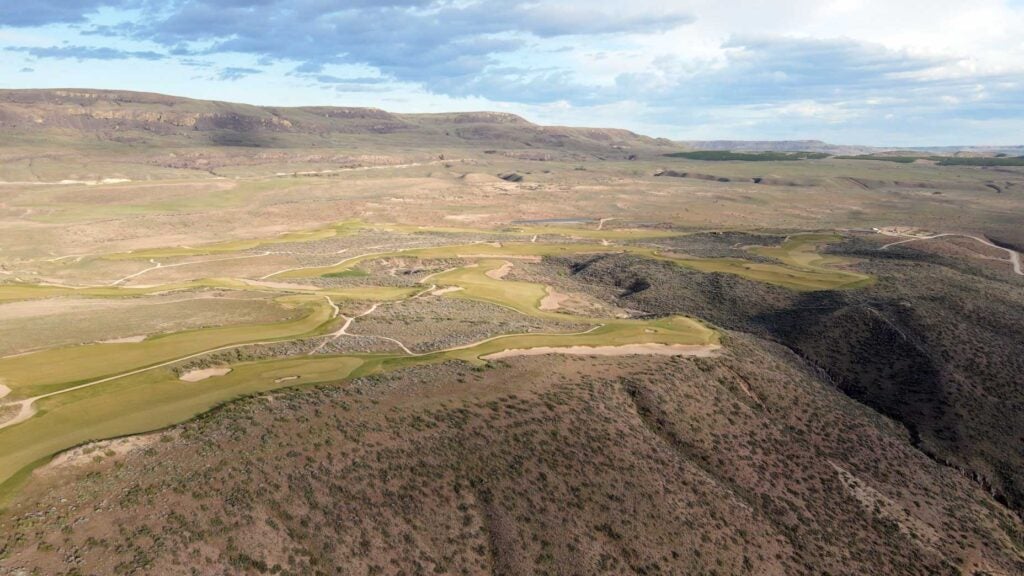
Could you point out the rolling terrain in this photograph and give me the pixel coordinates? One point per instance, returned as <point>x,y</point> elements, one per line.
<point>242,340</point>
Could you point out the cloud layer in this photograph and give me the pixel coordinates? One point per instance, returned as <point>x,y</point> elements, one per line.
<point>847,70</point>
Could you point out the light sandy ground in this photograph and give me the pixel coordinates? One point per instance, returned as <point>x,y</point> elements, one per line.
<point>197,375</point>
<point>85,454</point>
<point>901,231</point>
<point>523,257</point>
<point>159,265</point>
<point>360,168</point>
<point>125,340</point>
<point>445,290</point>
<point>70,305</point>
<point>554,299</point>
<point>701,351</point>
<point>281,285</point>
<point>68,182</point>
<point>499,273</point>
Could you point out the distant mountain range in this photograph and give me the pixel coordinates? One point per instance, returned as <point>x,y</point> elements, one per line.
<point>820,146</point>
<point>157,119</point>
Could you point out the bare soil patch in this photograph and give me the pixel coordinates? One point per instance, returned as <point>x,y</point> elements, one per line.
<point>92,452</point>
<point>125,340</point>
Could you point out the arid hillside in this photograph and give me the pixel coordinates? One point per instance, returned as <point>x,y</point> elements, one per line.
<point>744,464</point>
<point>318,340</point>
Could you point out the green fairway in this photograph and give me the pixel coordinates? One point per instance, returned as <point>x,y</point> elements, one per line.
<point>803,268</point>
<point>13,292</point>
<point>787,277</point>
<point>524,297</point>
<point>478,250</point>
<point>155,398</point>
<point>43,372</point>
<point>146,395</point>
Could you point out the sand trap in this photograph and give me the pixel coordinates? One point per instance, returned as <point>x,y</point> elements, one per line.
<point>467,217</point>
<point>701,351</point>
<point>4,391</point>
<point>524,257</point>
<point>125,340</point>
<point>499,273</point>
<point>285,379</point>
<point>445,290</point>
<point>197,375</point>
<point>281,285</point>
<point>554,299</point>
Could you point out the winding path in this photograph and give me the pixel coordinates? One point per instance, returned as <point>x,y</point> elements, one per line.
<point>26,407</point>
<point>1014,260</point>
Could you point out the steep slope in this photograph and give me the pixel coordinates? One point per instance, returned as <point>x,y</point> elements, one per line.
<point>744,464</point>
<point>936,344</point>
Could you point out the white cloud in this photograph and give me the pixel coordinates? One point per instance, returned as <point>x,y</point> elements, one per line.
<point>854,69</point>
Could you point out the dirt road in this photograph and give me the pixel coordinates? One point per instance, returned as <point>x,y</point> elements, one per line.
<point>1014,259</point>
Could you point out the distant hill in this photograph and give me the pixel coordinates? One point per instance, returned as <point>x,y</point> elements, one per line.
<point>843,149</point>
<point>774,146</point>
<point>89,116</point>
<point>136,117</point>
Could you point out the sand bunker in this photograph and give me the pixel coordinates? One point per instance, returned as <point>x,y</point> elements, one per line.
<point>125,340</point>
<point>285,379</point>
<point>554,299</point>
<point>445,290</point>
<point>4,390</point>
<point>701,351</point>
<point>197,375</point>
<point>499,273</point>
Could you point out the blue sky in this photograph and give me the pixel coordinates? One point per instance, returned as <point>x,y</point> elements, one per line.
<point>885,72</point>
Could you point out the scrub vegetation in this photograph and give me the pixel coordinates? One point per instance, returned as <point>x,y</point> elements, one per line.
<point>241,340</point>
